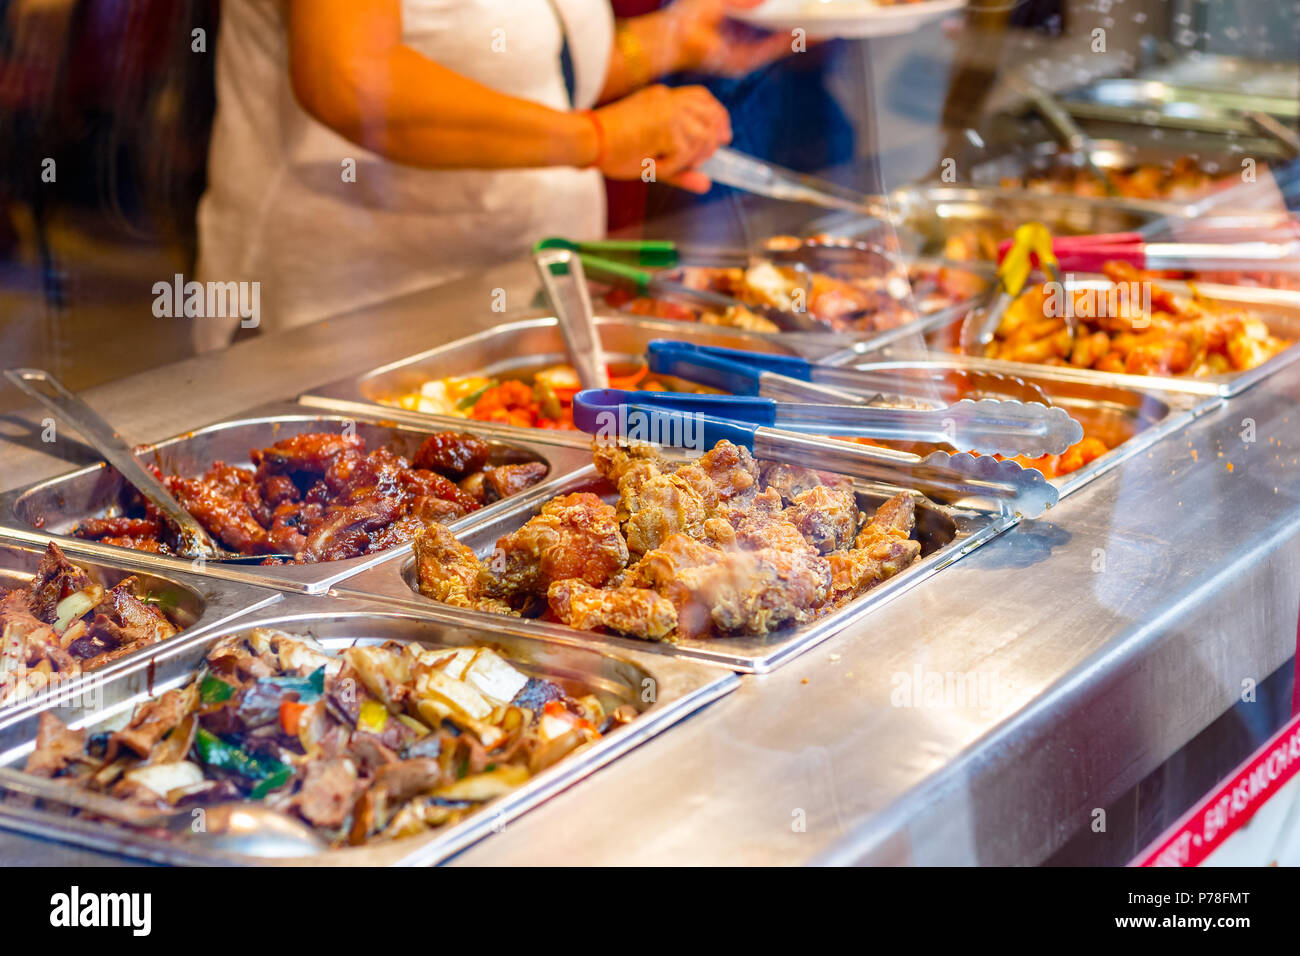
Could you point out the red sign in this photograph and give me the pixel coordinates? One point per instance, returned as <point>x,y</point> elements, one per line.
<point>1208,824</point>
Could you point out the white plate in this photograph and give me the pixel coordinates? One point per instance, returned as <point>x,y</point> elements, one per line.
<point>829,19</point>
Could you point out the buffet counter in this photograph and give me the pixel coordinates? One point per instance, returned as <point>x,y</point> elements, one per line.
<point>980,717</point>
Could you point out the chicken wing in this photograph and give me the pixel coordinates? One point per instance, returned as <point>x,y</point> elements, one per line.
<point>826,516</point>
<point>882,549</point>
<point>638,612</point>
<point>451,573</point>
<point>575,536</point>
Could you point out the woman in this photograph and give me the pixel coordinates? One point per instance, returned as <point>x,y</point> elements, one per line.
<point>366,149</point>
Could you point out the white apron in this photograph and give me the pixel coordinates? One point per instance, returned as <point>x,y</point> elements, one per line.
<point>277,211</point>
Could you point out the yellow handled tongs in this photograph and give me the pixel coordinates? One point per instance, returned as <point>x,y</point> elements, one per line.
<point>1031,245</point>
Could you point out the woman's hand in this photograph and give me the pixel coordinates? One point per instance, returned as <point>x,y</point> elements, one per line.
<point>706,42</point>
<point>674,129</point>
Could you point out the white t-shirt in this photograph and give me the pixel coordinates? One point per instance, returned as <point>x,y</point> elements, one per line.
<point>278,211</point>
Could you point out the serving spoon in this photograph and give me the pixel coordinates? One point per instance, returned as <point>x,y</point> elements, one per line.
<point>193,540</point>
<point>246,828</point>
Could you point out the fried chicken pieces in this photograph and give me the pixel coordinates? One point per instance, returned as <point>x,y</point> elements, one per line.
<point>719,546</point>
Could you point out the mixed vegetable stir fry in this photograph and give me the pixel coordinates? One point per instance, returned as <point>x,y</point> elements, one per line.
<point>380,742</point>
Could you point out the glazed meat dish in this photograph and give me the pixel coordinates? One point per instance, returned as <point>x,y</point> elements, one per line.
<point>377,743</point>
<point>721,546</point>
<point>1174,335</point>
<point>64,623</point>
<point>321,496</point>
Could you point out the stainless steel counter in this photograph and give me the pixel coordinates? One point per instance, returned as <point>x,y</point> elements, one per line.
<point>1073,655</point>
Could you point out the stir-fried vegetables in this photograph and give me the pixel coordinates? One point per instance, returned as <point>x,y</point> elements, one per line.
<point>382,741</point>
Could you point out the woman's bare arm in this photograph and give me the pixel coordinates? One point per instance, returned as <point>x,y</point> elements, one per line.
<point>351,71</point>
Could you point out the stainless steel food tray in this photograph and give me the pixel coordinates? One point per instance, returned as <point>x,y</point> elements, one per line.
<point>195,603</point>
<point>1126,419</point>
<point>508,349</point>
<point>1211,156</point>
<point>1278,308</point>
<point>52,508</point>
<point>1217,72</point>
<point>946,534</point>
<point>663,689</point>
<point>928,215</point>
<point>1153,103</point>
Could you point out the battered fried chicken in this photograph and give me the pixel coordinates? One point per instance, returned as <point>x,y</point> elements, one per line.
<point>752,592</point>
<point>787,480</point>
<point>451,573</point>
<point>717,551</point>
<point>654,504</point>
<point>661,506</point>
<point>575,536</point>
<point>826,516</point>
<point>735,591</point>
<point>639,612</point>
<point>882,549</point>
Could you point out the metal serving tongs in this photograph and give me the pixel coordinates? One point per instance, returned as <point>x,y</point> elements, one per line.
<point>578,326</point>
<point>988,426</point>
<point>699,422</point>
<point>832,256</point>
<point>192,539</point>
<point>647,283</point>
<point>1065,130</point>
<point>752,175</point>
<point>798,379</point>
<point>1031,242</point>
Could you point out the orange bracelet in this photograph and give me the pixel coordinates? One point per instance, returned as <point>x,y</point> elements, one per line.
<point>600,138</point>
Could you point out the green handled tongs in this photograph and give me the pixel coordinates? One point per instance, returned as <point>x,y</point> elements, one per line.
<point>647,283</point>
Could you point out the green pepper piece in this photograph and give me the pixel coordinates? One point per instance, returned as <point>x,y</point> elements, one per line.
<point>215,752</point>
<point>470,400</point>
<point>213,690</point>
<point>273,782</point>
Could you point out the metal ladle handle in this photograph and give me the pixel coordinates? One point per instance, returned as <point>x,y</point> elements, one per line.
<point>106,440</point>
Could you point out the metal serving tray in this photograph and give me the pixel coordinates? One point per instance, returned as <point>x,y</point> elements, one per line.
<point>927,216</point>
<point>194,603</point>
<point>1212,156</point>
<point>1153,103</point>
<point>1126,419</point>
<point>509,349</point>
<point>946,534</point>
<point>52,508</point>
<point>527,345</point>
<point>664,690</point>
<point>1278,308</point>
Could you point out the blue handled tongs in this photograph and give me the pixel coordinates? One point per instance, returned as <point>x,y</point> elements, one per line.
<point>698,422</point>
<point>988,426</point>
